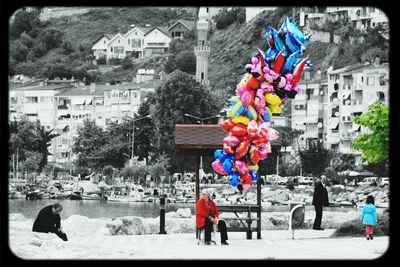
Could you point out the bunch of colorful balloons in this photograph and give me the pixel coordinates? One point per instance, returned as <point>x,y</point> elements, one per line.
<point>270,79</point>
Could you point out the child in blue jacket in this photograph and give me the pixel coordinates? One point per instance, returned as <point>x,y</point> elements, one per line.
<point>368,216</point>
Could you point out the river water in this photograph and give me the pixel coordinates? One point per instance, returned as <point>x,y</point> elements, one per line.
<point>104,209</point>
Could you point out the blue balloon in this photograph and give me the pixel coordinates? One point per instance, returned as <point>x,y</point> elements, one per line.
<point>234,180</point>
<point>229,166</point>
<point>292,27</point>
<point>220,155</point>
<point>279,45</point>
<point>270,55</point>
<point>293,44</point>
<point>254,175</point>
<point>289,65</point>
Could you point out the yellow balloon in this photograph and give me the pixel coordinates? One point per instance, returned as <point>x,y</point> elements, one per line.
<point>275,108</point>
<point>245,78</point>
<point>272,99</point>
<point>241,119</point>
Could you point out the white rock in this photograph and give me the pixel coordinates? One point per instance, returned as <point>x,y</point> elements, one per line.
<point>184,213</point>
<point>17,217</point>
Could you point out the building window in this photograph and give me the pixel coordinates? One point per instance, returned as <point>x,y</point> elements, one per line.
<point>31,99</point>
<point>381,96</point>
<point>129,41</point>
<point>118,49</point>
<point>370,80</point>
<point>46,99</point>
<point>111,49</point>
<point>202,75</point>
<point>136,43</point>
<point>135,95</point>
<point>104,41</point>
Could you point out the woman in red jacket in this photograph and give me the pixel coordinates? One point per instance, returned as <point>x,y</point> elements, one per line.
<point>206,215</point>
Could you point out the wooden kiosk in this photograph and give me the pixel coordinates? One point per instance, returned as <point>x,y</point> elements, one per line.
<point>202,140</point>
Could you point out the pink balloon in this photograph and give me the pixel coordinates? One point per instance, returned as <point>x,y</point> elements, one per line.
<point>263,153</point>
<point>247,98</point>
<point>231,140</point>
<point>218,167</point>
<point>252,128</point>
<point>241,167</point>
<point>263,130</point>
<point>240,89</point>
<point>272,134</point>
<point>268,147</point>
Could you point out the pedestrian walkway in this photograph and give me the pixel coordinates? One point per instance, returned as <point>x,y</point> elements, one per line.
<point>274,245</point>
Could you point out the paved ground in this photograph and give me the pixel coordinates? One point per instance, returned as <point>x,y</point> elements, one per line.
<point>274,245</point>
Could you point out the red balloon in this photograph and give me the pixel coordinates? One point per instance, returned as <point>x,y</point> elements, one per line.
<point>254,154</point>
<point>259,141</point>
<point>246,178</point>
<point>279,62</point>
<point>239,130</point>
<point>242,148</point>
<point>298,71</point>
<point>252,83</point>
<point>228,124</point>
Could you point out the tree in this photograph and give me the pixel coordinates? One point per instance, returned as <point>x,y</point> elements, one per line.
<point>24,21</point>
<point>108,171</point>
<point>67,47</point>
<point>179,94</point>
<point>375,145</point>
<point>144,130</point>
<point>160,167</point>
<point>18,51</point>
<point>315,158</point>
<point>87,145</point>
<point>44,141</point>
<point>51,38</point>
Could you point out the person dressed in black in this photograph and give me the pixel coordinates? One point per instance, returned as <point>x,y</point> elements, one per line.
<point>320,199</point>
<point>49,221</point>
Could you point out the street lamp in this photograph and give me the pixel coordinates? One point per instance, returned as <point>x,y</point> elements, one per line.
<point>200,120</point>
<point>133,136</point>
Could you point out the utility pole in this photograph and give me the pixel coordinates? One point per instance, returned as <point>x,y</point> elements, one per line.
<point>17,162</point>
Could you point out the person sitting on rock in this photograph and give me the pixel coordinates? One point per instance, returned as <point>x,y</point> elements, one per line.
<point>207,215</point>
<point>49,221</point>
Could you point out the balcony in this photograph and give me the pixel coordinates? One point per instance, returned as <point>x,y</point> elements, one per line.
<point>62,107</point>
<point>357,87</point>
<point>356,106</point>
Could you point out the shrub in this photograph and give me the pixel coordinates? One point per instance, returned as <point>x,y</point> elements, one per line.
<point>114,61</point>
<point>102,60</point>
<point>127,63</point>
<point>356,227</point>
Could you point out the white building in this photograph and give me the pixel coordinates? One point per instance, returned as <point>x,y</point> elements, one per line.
<point>116,47</point>
<point>351,91</point>
<point>251,12</point>
<point>202,50</point>
<point>156,41</point>
<point>135,41</point>
<point>100,45</point>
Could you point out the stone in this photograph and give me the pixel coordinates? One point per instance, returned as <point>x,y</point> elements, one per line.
<point>35,242</point>
<point>184,213</point>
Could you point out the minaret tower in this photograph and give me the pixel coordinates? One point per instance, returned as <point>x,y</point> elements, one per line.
<point>202,49</point>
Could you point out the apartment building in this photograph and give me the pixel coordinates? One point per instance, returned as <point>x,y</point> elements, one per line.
<point>308,111</point>
<point>362,17</point>
<point>351,91</point>
<point>63,105</point>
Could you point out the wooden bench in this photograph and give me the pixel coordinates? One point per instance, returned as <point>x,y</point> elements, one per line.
<point>246,221</point>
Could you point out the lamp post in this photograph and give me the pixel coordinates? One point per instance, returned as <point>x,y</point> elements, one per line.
<point>133,136</point>
<point>201,120</point>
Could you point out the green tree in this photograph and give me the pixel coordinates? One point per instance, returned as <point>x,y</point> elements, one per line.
<point>375,145</point>
<point>180,93</point>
